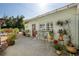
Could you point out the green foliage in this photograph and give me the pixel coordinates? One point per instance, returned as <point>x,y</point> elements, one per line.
<point>51,33</point>
<point>20,23</point>
<point>13,37</point>
<point>57,47</point>
<point>16,30</point>
<point>11,22</point>
<point>1,30</point>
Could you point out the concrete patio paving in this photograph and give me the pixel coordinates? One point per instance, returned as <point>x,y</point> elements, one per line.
<point>25,46</point>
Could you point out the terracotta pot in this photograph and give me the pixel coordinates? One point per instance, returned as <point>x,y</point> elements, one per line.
<point>61,38</point>
<point>71,49</point>
<point>51,37</point>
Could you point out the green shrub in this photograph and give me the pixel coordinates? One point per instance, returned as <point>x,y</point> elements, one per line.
<point>13,38</point>
<point>57,47</point>
<point>16,30</point>
<point>1,30</point>
<point>51,33</point>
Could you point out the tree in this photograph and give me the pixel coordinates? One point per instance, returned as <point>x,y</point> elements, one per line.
<point>19,22</point>
<point>12,22</point>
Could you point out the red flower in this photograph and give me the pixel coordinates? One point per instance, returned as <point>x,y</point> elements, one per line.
<point>55,42</point>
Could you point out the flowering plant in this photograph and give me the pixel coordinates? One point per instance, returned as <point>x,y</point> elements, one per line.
<point>55,42</point>
<point>56,45</point>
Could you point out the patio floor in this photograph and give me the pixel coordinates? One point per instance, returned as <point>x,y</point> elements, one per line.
<point>26,46</point>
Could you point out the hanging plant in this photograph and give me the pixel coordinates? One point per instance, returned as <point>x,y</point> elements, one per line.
<point>60,31</point>
<point>65,32</point>
<point>66,21</point>
<point>60,23</point>
<point>69,42</point>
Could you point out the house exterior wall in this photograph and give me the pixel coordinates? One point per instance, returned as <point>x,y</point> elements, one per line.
<point>26,26</point>
<point>66,14</point>
<point>53,18</point>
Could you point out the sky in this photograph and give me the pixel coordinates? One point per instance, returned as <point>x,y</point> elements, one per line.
<point>28,10</point>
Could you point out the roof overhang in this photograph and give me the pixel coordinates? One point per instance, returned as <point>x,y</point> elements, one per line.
<point>53,11</point>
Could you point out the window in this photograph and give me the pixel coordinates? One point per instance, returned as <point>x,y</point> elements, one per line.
<point>49,26</point>
<point>42,26</point>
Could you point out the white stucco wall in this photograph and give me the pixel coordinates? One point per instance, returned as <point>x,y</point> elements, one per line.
<point>60,15</point>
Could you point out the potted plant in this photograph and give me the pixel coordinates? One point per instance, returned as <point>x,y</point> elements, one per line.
<point>50,35</point>
<point>11,39</point>
<point>65,32</point>
<point>61,34</point>
<point>60,23</point>
<point>66,22</point>
<point>16,30</point>
<point>57,47</point>
<point>70,47</point>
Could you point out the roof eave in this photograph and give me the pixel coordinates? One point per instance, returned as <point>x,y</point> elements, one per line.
<point>53,11</point>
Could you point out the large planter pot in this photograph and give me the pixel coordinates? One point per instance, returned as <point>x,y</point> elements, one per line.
<point>11,39</point>
<point>12,42</point>
<point>50,37</point>
<point>71,49</point>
